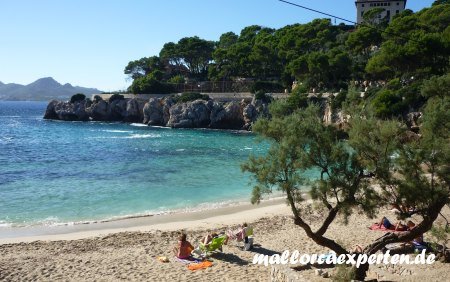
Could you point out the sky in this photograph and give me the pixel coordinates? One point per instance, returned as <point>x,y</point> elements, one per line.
<point>89,42</point>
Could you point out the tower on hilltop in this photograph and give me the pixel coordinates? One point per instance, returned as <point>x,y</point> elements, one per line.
<point>390,8</point>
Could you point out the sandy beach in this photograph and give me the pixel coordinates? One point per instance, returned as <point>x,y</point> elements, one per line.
<point>129,250</point>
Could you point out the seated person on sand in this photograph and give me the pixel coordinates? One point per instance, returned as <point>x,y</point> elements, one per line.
<point>239,235</point>
<point>184,248</point>
<point>418,242</point>
<point>208,238</point>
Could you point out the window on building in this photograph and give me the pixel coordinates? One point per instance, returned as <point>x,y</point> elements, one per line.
<point>397,11</point>
<point>362,13</point>
<point>362,5</point>
<point>398,4</point>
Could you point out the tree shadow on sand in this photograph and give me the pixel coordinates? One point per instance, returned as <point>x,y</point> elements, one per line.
<point>231,258</point>
<point>257,248</point>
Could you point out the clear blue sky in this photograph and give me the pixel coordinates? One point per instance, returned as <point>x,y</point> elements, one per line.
<point>89,42</point>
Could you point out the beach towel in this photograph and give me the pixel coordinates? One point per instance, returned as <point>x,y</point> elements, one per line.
<point>200,265</point>
<point>187,260</point>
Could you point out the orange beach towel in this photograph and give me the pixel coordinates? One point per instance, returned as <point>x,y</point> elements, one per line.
<point>200,265</point>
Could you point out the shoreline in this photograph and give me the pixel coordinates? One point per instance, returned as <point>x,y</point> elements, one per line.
<point>205,219</point>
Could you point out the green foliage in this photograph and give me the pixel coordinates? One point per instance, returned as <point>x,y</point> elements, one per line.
<point>437,86</point>
<point>150,85</point>
<point>338,100</point>
<point>267,87</point>
<point>416,45</point>
<point>387,104</point>
<point>263,96</point>
<point>77,98</point>
<point>178,79</point>
<point>143,67</point>
<point>344,273</point>
<point>191,96</point>
<point>191,52</point>
<point>323,56</point>
<point>298,99</point>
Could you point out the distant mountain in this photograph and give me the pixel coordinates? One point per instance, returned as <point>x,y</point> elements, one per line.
<point>43,89</point>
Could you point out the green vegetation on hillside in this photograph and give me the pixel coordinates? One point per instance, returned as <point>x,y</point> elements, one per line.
<point>390,62</point>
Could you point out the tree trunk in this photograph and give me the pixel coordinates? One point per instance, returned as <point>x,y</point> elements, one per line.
<point>361,271</point>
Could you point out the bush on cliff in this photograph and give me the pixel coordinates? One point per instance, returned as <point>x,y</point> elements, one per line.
<point>150,85</point>
<point>77,98</point>
<point>263,96</point>
<point>191,96</point>
<point>267,87</point>
<point>115,97</point>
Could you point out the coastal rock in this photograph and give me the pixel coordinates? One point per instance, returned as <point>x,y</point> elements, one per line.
<point>67,111</point>
<point>154,112</point>
<point>134,111</point>
<point>50,112</point>
<point>161,111</point>
<point>117,110</point>
<point>167,104</point>
<point>188,115</point>
<point>251,112</point>
<point>99,110</point>
<point>228,116</point>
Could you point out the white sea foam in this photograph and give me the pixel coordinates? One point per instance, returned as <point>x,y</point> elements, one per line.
<point>180,150</point>
<point>5,224</point>
<point>138,136</point>
<point>118,131</point>
<point>132,136</point>
<point>139,125</point>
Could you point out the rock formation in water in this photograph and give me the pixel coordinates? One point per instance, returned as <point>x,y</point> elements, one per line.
<point>161,111</point>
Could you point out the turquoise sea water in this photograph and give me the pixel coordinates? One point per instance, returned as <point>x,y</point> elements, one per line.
<point>56,172</point>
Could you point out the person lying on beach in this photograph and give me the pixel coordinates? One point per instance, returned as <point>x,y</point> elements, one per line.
<point>388,225</point>
<point>184,248</point>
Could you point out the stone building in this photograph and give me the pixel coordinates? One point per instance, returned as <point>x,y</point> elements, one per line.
<point>390,7</point>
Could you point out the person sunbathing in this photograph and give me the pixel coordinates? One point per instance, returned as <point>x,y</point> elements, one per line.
<point>388,225</point>
<point>184,248</point>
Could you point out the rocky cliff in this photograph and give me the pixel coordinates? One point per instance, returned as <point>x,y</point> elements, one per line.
<point>161,112</point>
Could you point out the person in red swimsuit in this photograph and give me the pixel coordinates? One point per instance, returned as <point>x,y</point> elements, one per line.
<point>184,248</point>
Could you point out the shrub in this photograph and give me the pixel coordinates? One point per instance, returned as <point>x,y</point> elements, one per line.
<point>388,104</point>
<point>97,98</point>
<point>263,96</point>
<point>115,97</point>
<point>336,102</point>
<point>77,97</point>
<point>191,96</point>
<point>150,85</point>
<point>267,87</point>
<point>178,79</point>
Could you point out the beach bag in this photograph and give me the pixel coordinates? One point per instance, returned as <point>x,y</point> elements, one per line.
<point>249,245</point>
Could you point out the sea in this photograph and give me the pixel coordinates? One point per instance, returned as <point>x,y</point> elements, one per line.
<point>65,173</point>
<point>57,172</point>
